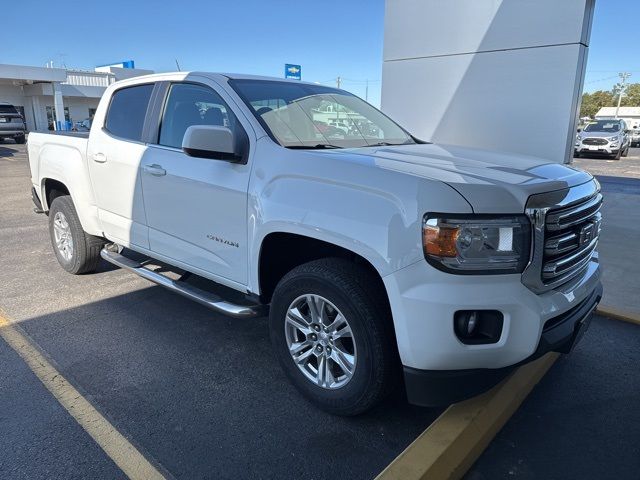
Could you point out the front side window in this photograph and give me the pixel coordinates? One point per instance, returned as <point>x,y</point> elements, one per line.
<point>313,116</point>
<point>127,111</point>
<point>190,104</point>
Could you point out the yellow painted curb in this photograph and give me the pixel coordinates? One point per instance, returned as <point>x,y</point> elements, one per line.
<point>617,314</point>
<point>448,448</point>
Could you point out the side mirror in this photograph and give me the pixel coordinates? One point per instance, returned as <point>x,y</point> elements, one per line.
<point>210,141</point>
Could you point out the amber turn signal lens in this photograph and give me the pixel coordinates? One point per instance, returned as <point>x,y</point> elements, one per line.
<point>440,241</point>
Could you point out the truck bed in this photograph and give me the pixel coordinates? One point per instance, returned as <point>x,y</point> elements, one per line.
<point>55,149</point>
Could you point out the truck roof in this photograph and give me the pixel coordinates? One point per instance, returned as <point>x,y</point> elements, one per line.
<point>212,75</point>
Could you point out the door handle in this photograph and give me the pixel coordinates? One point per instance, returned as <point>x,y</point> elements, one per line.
<point>155,169</point>
<point>99,157</point>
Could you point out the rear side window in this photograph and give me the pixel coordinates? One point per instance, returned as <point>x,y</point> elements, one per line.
<point>127,111</point>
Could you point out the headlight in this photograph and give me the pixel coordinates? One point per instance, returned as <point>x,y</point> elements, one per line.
<point>481,244</point>
<point>613,139</point>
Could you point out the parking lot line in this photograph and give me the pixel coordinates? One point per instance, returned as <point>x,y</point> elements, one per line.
<point>617,314</point>
<point>448,448</point>
<point>112,442</point>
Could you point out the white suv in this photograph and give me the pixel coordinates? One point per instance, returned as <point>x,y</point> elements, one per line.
<point>603,137</point>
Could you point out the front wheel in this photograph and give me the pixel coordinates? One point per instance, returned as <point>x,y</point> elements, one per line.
<point>332,333</point>
<point>77,251</point>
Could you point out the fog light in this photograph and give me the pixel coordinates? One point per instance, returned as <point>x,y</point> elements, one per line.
<point>477,327</point>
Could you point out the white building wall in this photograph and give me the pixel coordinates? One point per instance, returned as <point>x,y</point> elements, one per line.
<point>493,74</point>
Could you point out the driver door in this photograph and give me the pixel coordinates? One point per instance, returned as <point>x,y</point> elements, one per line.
<point>196,207</point>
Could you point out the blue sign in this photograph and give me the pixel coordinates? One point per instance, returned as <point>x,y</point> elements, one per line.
<point>292,71</point>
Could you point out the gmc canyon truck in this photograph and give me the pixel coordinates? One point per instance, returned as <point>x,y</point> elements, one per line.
<point>383,261</point>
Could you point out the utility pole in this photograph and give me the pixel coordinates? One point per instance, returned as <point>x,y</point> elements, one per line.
<point>338,80</point>
<point>623,76</point>
<point>366,91</point>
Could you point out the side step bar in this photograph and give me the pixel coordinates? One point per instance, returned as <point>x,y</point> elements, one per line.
<point>207,299</point>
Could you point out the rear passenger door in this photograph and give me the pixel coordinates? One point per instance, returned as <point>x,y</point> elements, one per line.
<point>196,207</point>
<point>115,149</point>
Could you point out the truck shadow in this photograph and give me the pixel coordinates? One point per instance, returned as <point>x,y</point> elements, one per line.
<point>204,394</point>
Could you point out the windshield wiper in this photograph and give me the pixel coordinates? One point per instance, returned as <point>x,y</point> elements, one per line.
<point>319,146</point>
<point>385,144</point>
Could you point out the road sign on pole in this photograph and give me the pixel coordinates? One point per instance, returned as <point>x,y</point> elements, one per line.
<point>292,71</point>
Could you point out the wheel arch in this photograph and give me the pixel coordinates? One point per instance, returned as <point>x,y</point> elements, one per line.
<point>280,252</point>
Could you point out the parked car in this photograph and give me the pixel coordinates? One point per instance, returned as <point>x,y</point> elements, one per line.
<point>11,123</point>
<point>383,261</point>
<point>634,137</point>
<point>83,126</point>
<point>603,137</point>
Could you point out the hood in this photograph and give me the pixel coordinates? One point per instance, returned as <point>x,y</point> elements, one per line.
<point>599,134</point>
<point>491,182</point>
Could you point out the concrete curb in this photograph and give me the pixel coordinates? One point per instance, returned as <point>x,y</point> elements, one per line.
<point>617,314</point>
<point>451,444</point>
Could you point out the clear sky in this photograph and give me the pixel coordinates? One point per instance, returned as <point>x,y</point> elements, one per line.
<point>329,38</point>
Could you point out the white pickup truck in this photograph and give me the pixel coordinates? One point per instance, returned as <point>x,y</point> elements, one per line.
<point>383,260</point>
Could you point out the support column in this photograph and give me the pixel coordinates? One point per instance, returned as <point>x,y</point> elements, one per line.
<point>58,104</point>
<point>501,75</point>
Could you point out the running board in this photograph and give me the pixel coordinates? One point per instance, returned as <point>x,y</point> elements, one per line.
<point>207,299</point>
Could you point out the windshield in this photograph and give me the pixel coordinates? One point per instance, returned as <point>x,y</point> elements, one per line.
<point>603,126</point>
<point>8,109</point>
<point>313,116</point>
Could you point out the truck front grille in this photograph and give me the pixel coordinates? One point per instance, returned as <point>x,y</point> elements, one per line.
<point>571,236</point>
<point>595,141</point>
<point>565,236</point>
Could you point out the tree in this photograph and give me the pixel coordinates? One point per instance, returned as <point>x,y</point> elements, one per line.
<point>592,102</point>
<point>631,97</point>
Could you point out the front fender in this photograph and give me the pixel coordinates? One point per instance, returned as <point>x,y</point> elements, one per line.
<point>373,212</point>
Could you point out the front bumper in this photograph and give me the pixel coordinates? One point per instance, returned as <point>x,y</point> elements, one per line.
<point>441,387</point>
<point>438,367</point>
<point>12,132</point>
<point>600,149</point>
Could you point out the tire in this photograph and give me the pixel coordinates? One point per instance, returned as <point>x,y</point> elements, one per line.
<point>576,155</point>
<point>350,290</point>
<point>626,152</point>
<point>20,140</point>
<point>617,155</point>
<point>82,253</point>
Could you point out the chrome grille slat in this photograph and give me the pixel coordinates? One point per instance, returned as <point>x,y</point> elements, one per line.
<point>561,244</point>
<point>564,264</point>
<point>567,217</point>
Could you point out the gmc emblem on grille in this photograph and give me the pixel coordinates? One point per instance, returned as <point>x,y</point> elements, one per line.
<point>587,233</point>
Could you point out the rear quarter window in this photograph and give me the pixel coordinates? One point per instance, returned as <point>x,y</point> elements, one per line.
<point>127,111</point>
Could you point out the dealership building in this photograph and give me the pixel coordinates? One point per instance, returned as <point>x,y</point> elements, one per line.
<point>57,97</point>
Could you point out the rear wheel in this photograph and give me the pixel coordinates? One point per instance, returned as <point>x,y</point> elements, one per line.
<point>330,328</point>
<point>76,251</point>
<point>20,140</point>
